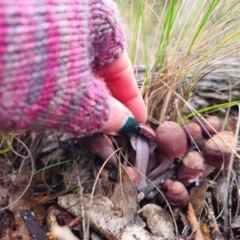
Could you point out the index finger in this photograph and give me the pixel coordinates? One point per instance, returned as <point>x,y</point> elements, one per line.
<point>121,82</point>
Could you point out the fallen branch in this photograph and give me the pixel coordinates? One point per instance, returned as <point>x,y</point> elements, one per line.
<point>194,223</point>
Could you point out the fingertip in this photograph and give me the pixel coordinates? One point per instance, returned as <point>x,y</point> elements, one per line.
<point>138,108</point>
<point>121,82</point>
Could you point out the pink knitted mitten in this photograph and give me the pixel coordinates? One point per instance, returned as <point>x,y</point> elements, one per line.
<point>49,53</point>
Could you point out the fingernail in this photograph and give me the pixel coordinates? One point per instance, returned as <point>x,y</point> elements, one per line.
<point>130,127</point>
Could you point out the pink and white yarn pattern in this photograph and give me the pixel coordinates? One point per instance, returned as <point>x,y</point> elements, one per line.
<point>50,51</point>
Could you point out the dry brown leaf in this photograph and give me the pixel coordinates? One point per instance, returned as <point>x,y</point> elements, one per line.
<point>106,219</point>
<point>27,202</point>
<point>220,190</point>
<point>159,222</point>
<point>124,196</point>
<point>212,221</point>
<point>135,232</point>
<point>205,231</point>
<point>194,223</point>
<point>103,216</point>
<point>122,193</point>
<point>197,196</point>
<point>7,222</point>
<point>105,186</point>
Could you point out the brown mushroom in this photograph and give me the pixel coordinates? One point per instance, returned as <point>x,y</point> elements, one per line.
<point>193,130</point>
<point>210,126</point>
<point>216,152</point>
<point>171,143</point>
<point>175,193</point>
<point>191,168</point>
<point>101,145</point>
<point>171,140</point>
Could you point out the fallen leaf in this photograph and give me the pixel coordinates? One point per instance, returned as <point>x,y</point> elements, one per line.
<point>197,196</point>
<point>106,219</point>
<point>27,202</point>
<point>103,216</point>
<point>159,222</point>
<point>205,231</point>
<point>7,222</point>
<point>124,196</point>
<point>135,232</point>
<point>194,223</point>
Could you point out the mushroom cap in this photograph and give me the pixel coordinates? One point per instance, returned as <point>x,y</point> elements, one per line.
<point>176,193</point>
<point>171,140</point>
<point>214,121</point>
<point>147,131</point>
<point>216,152</point>
<point>96,143</point>
<point>191,166</point>
<point>193,130</point>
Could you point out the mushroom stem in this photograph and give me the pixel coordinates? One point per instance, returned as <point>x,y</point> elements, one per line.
<point>152,162</point>
<point>165,164</point>
<point>101,145</point>
<point>142,155</point>
<point>153,157</point>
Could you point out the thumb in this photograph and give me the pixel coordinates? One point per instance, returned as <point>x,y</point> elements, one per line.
<point>117,117</point>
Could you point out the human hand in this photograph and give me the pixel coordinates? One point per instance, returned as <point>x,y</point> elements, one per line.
<point>126,99</point>
<point>52,81</point>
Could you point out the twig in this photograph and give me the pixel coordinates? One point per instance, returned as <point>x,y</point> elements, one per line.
<point>81,203</point>
<point>63,233</point>
<point>75,222</point>
<point>230,199</point>
<point>30,222</point>
<point>194,223</point>
<point>30,179</point>
<point>230,171</point>
<point>84,232</point>
<point>216,234</point>
<point>152,185</point>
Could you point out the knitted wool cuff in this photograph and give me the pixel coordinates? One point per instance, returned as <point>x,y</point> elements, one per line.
<point>48,49</point>
<point>107,35</point>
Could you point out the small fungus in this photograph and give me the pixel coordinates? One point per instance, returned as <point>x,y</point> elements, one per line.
<point>216,151</point>
<point>193,130</point>
<point>191,168</point>
<point>171,140</point>
<point>175,193</point>
<point>102,146</point>
<point>210,126</point>
<point>133,174</point>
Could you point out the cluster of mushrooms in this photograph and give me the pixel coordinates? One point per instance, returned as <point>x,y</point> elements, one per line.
<point>195,149</point>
